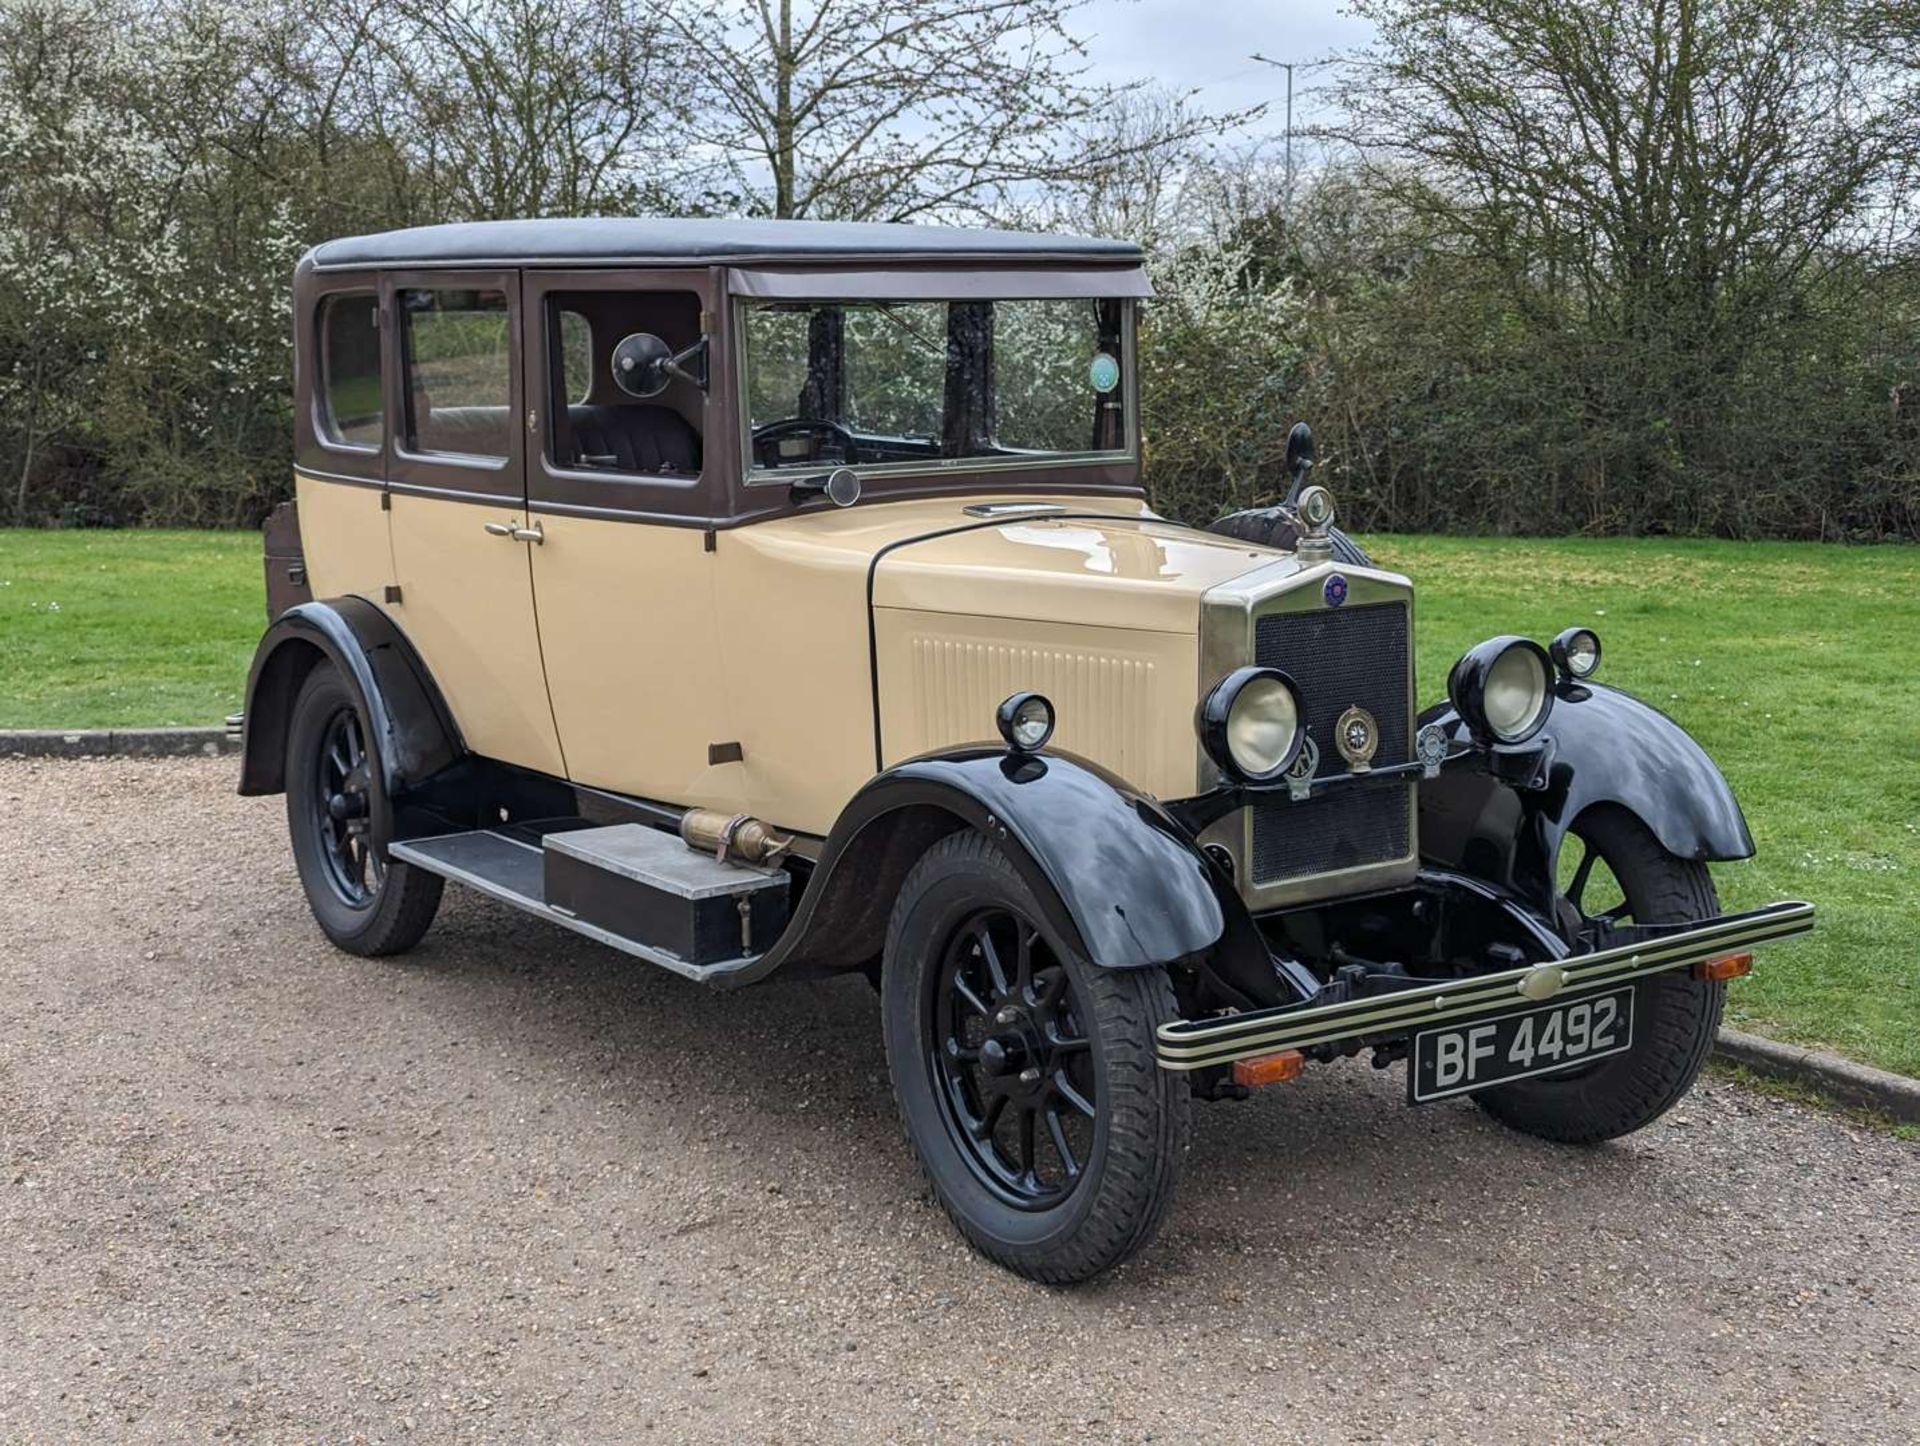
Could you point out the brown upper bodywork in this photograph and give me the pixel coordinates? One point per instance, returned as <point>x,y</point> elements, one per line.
<point>636,634</point>
<point>716,262</point>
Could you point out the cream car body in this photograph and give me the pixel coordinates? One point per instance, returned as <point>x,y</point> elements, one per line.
<point>760,596</point>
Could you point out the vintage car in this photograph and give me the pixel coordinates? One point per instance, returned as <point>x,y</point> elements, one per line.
<point>760,597</point>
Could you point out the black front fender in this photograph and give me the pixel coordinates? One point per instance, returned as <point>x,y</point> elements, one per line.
<point>1600,746</point>
<point>1116,878</point>
<point>412,733</point>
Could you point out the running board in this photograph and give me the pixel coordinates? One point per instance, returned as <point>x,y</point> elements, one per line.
<point>633,888</point>
<point>1197,1043</point>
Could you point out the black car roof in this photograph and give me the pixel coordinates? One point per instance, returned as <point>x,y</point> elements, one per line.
<point>606,240</point>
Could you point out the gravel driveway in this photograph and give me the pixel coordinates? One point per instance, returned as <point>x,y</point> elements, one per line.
<point>516,1187</point>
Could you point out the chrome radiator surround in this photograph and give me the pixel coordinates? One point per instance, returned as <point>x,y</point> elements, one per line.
<point>1229,615</point>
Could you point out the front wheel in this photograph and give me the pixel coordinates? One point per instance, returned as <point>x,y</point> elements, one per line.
<point>1025,1075</point>
<point>1623,874</point>
<point>364,902</point>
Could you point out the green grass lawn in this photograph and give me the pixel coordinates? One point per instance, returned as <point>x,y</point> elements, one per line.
<point>1796,666</point>
<point>102,629</point>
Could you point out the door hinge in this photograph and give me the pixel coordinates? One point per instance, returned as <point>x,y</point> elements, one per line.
<point>712,543</point>
<point>393,593</point>
<point>386,500</point>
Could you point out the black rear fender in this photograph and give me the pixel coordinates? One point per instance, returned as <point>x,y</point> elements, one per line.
<point>411,730</point>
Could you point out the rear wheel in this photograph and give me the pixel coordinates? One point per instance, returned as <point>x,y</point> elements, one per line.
<point>1026,1076</point>
<point>363,902</point>
<point>1621,874</point>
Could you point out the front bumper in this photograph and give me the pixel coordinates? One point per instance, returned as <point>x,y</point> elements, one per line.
<point>1187,1044</point>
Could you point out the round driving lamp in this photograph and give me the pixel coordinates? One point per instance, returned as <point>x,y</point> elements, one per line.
<point>1576,652</point>
<point>1502,689</point>
<point>1250,724</point>
<point>1025,721</point>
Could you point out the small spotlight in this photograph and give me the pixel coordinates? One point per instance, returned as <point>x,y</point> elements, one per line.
<point>1576,652</point>
<point>1026,721</point>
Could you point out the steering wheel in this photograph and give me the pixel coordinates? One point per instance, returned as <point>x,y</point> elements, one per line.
<point>768,454</point>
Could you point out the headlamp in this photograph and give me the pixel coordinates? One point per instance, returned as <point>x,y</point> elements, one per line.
<point>1250,724</point>
<point>1502,689</point>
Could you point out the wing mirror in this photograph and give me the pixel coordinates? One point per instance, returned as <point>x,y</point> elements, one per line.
<point>1299,460</point>
<point>643,365</point>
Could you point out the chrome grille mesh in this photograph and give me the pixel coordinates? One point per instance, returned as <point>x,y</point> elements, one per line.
<point>1339,657</point>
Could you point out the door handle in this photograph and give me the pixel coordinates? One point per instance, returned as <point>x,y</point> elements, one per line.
<point>516,531</point>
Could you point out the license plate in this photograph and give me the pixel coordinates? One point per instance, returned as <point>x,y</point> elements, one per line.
<point>1458,1059</point>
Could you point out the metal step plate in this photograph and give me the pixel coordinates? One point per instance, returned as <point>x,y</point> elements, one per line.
<point>513,870</point>
<point>491,862</point>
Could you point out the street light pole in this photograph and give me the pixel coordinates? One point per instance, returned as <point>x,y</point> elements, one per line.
<point>1287,190</point>
<point>1286,185</point>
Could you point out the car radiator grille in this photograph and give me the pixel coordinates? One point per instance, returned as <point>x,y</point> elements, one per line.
<point>1339,657</point>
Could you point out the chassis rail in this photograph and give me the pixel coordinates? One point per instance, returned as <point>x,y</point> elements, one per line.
<point>1187,1044</point>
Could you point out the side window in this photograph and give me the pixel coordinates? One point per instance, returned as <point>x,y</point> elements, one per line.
<point>604,417</point>
<point>458,372</point>
<point>350,414</point>
<point>576,357</point>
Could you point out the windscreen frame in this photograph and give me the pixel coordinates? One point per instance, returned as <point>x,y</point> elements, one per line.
<point>753,476</point>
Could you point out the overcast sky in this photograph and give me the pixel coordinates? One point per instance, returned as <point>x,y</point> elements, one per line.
<point>1207,45</point>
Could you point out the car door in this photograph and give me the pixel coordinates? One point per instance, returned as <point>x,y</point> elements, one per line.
<point>462,539</point>
<point>621,487</point>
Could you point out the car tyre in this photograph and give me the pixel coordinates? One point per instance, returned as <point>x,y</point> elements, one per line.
<point>1074,1168</point>
<point>364,902</point>
<point>1676,1017</point>
<point>1279,526</point>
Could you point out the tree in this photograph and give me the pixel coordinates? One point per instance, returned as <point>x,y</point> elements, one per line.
<point>81,194</point>
<point>1666,163</point>
<point>869,109</point>
<point>1156,169</point>
<point>1676,196</point>
<point>509,108</point>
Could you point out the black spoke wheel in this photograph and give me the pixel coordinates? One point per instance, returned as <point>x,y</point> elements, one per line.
<point>1614,873</point>
<point>335,813</point>
<point>1025,1075</point>
<point>1012,1060</point>
<point>354,868</point>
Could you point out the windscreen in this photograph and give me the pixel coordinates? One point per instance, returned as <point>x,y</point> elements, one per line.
<point>900,385</point>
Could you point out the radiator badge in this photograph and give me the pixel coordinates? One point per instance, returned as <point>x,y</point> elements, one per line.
<point>1335,591</point>
<point>1357,737</point>
<point>1300,776</point>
